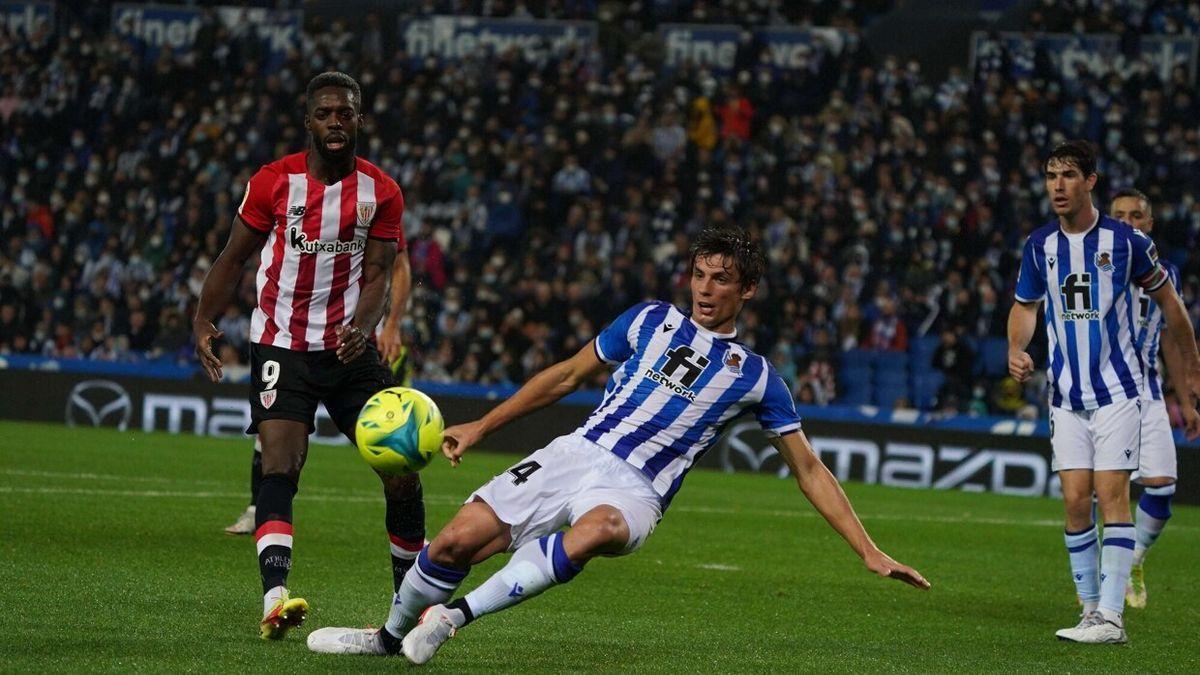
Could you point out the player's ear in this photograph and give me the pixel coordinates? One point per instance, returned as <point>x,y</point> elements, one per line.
<point>749,291</point>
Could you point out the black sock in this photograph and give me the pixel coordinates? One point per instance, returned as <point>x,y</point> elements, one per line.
<point>273,529</point>
<point>255,474</point>
<point>405,516</point>
<point>461,605</point>
<point>391,643</point>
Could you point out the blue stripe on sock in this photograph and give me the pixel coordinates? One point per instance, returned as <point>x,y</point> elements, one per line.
<point>436,571</point>
<point>1119,541</point>
<point>1156,505</point>
<point>564,569</point>
<point>1082,547</point>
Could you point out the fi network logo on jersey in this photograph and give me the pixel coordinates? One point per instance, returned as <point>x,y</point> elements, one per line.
<point>300,242</point>
<point>680,372</point>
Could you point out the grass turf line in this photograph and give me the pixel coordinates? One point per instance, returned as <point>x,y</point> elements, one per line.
<point>112,558</point>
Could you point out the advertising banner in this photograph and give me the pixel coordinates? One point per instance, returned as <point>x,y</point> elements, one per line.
<point>715,46</point>
<point>1097,54</point>
<point>457,37</point>
<point>154,28</point>
<point>895,449</point>
<point>23,18</point>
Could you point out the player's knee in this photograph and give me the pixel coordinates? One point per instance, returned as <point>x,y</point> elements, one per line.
<point>1156,481</point>
<point>604,532</point>
<point>401,487</point>
<point>454,550</point>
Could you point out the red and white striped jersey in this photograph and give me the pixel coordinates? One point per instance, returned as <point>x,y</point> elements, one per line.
<point>310,272</point>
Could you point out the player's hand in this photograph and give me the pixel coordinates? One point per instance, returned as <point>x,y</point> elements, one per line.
<point>351,343</point>
<point>1191,421</point>
<point>882,564</point>
<point>1193,384</point>
<point>205,332</point>
<point>456,440</point>
<point>390,341</point>
<point>1020,365</point>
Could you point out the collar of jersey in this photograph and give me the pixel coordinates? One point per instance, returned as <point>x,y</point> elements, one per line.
<point>1078,235</point>
<point>710,333</point>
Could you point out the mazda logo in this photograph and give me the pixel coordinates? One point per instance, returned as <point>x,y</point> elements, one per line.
<point>99,403</point>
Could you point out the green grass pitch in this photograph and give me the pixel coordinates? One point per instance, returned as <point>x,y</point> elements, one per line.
<point>112,558</point>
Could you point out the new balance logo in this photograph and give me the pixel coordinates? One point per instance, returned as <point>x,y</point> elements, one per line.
<point>297,210</point>
<point>517,591</point>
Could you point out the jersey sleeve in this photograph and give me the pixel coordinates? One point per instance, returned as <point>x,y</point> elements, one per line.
<point>615,344</point>
<point>1144,267</point>
<point>258,204</point>
<point>777,411</point>
<point>388,222</point>
<point>1031,280</point>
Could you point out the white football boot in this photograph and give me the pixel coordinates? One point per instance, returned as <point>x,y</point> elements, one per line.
<point>431,632</point>
<point>1093,628</point>
<point>346,641</point>
<point>244,524</point>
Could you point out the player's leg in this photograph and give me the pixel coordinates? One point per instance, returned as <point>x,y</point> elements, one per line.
<point>1157,471</point>
<point>283,405</point>
<point>285,448</point>
<point>1070,439</point>
<point>349,387</point>
<point>245,522</point>
<point>473,535</point>
<point>612,512</point>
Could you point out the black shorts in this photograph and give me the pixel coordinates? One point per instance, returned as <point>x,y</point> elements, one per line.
<point>288,385</point>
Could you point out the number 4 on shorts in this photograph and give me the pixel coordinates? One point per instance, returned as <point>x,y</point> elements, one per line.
<point>522,472</point>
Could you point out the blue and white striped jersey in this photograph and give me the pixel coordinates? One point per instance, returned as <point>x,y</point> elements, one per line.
<point>675,388</point>
<point>1091,314</point>
<point>1149,333</point>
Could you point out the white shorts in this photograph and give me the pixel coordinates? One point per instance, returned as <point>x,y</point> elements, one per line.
<point>1158,443</point>
<point>555,486</point>
<point>1105,439</point>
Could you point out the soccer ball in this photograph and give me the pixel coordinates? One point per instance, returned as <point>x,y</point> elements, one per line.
<point>399,430</point>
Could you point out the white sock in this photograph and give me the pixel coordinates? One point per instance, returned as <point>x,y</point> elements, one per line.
<point>1116,558</point>
<point>426,583</point>
<point>534,567</point>
<point>271,596</point>
<point>1084,552</point>
<point>1153,511</point>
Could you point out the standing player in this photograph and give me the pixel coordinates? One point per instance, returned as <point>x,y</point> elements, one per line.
<point>1085,266</point>
<point>391,350</point>
<point>330,222</point>
<point>1157,468</point>
<point>679,381</point>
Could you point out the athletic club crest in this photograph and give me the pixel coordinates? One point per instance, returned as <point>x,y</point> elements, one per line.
<point>1104,261</point>
<point>366,211</point>
<point>268,397</point>
<point>734,363</point>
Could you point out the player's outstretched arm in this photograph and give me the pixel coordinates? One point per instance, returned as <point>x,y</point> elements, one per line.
<point>219,288</point>
<point>1179,326</point>
<point>824,492</point>
<point>390,340</point>
<point>1022,321</point>
<point>540,391</point>
<point>1178,374</point>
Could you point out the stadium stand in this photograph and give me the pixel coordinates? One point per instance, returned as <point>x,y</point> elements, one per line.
<point>544,196</point>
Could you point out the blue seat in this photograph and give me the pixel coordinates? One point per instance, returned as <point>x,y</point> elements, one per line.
<point>994,355</point>
<point>920,352</point>
<point>858,358</point>
<point>886,395</point>
<point>854,376</point>
<point>854,396</point>
<point>925,388</point>
<point>891,376</point>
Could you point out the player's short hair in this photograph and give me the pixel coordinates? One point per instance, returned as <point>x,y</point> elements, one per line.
<point>334,79</point>
<point>1136,194</point>
<point>736,245</point>
<point>1079,152</point>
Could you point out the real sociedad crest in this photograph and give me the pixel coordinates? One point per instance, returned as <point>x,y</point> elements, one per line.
<point>366,211</point>
<point>1104,261</point>
<point>734,363</point>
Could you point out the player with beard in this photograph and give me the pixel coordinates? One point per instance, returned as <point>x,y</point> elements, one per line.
<point>326,225</point>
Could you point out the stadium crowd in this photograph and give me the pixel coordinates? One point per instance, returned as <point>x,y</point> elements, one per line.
<point>544,197</point>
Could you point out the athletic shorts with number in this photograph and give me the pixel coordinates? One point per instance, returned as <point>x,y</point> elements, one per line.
<point>555,486</point>
<point>288,385</point>
<point>1108,438</point>
<point>1158,443</point>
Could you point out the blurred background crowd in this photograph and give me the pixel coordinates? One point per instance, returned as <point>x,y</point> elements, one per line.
<point>544,197</point>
